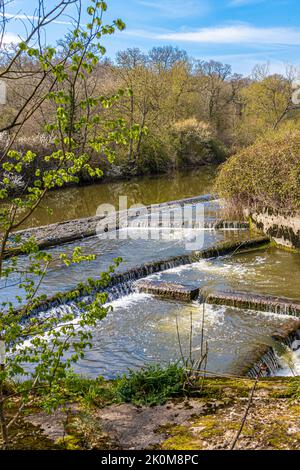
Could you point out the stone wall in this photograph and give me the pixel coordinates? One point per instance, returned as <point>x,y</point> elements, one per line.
<point>284,230</point>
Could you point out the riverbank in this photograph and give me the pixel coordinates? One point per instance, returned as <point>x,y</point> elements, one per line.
<point>209,420</point>
<point>262,183</point>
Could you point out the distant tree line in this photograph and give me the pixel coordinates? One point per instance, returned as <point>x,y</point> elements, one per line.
<point>182,111</point>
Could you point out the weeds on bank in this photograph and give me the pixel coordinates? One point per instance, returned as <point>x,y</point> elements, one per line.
<point>294,389</point>
<point>151,386</point>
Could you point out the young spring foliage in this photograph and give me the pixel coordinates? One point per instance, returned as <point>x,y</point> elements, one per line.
<point>44,347</point>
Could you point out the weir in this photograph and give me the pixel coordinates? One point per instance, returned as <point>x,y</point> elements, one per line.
<point>123,284</point>
<point>167,290</point>
<point>120,281</point>
<point>65,232</point>
<point>244,300</point>
<point>269,363</point>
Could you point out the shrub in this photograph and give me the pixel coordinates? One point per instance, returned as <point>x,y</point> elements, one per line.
<point>157,154</point>
<point>151,386</point>
<point>265,175</point>
<point>196,143</point>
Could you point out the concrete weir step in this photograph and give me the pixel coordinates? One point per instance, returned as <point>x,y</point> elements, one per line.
<point>71,230</point>
<point>250,301</point>
<point>243,300</point>
<point>140,272</point>
<point>167,290</point>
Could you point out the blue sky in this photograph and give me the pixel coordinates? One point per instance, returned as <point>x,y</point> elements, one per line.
<point>239,32</point>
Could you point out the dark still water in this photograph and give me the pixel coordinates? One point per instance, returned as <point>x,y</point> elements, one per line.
<point>79,202</point>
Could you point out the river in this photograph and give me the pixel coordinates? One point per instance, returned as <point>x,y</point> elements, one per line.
<point>141,329</point>
<point>83,201</point>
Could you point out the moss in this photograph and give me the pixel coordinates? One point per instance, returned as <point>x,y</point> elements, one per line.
<point>69,443</point>
<point>84,431</point>
<point>289,249</point>
<point>212,426</point>
<point>181,439</point>
<point>279,439</point>
<point>181,442</point>
<point>25,436</point>
<point>195,435</point>
<point>217,388</point>
<point>208,426</point>
<point>288,387</point>
<point>294,409</point>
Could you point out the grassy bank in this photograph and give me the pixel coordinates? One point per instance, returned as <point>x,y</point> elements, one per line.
<point>167,410</point>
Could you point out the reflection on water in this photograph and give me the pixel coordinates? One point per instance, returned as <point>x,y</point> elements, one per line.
<point>274,272</point>
<point>142,330</point>
<point>78,202</point>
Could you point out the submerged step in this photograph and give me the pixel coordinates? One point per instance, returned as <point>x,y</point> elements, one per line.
<point>244,300</point>
<point>232,247</point>
<point>167,290</point>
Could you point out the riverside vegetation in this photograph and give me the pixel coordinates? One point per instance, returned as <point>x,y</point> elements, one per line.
<point>72,116</point>
<point>172,413</point>
<point>264,175</point>
<point>49,339</point>
<point>181,111</point>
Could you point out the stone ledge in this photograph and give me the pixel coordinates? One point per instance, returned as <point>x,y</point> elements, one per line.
<point>250,301</point>
<point>283,229</point>
<point>139,272</point>
<point>167,290</point>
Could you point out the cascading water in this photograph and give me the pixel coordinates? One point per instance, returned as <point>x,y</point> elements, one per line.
<point>267,366</point>
<point>142,329</point>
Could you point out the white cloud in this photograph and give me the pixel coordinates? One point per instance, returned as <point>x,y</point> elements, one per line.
<point>11,16</point>
<point>10,38</point>
<point>177,8</point>
<point>236,34</point>
<point>241,3</point>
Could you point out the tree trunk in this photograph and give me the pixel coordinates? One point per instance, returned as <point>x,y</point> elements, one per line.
<point>4,431</point>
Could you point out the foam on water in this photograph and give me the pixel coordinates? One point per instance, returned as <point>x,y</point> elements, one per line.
<point>205,266</point>
<point>128,300</point>
<point>142,330</point>
<point>289,364</point>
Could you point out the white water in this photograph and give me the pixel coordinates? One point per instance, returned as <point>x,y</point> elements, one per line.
<point>289,364</point>
<point>142,329</point>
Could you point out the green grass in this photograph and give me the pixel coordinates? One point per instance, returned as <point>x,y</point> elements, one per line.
<point>294,388</point>
<point>151,386</point>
